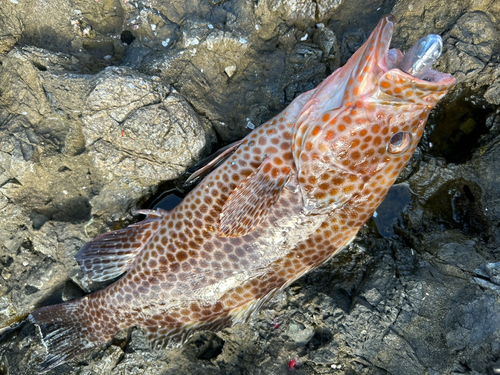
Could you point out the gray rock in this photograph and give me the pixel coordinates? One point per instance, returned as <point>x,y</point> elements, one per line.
<point>55,172</point>
<point>492,94</point>
<point>137,133</point>
<point>299,333</point>
<point>470,45</point>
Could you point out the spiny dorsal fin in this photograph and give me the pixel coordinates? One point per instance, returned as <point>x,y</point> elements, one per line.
<point>112,253</point>
<point>250,203</point>
<point>211,162</point>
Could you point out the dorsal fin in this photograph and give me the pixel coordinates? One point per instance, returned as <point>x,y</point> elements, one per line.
<point>250,203</point>
<point>208,164</point>
<point>112,253</point>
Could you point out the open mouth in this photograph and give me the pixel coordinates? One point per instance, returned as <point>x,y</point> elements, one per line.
<point>418,61</point>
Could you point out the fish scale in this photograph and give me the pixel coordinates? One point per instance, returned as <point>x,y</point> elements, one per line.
<point>282,201</point>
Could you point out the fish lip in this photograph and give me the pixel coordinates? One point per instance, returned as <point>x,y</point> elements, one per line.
<point>431,76</point>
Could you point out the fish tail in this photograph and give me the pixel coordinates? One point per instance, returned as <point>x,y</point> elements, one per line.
<point>64,331</point>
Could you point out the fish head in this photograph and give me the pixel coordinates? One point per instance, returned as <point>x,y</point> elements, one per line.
<point>364,120</point>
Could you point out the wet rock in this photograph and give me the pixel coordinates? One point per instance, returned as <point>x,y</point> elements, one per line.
<point>299,333</point>
<point>471,43</point>
<point>475,34</point>
<point>492,95</point>
<point>483,166</point>
<point>137,133</point>
<point>57,123</point>
<point>151,29</point>
<point>327,41</point>
<point>490,270</point>
<point>239,57</point>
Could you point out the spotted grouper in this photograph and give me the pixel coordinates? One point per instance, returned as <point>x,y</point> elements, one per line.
<point>281,202</point>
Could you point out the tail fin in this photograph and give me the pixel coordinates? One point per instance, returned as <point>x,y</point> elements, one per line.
<point>63,332</point>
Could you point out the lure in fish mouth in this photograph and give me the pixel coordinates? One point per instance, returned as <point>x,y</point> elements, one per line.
<point>279,203</point>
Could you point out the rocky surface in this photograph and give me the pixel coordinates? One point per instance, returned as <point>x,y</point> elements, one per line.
<point>101,102</point>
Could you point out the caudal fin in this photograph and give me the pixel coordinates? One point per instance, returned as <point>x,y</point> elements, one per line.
<point>63,332</point>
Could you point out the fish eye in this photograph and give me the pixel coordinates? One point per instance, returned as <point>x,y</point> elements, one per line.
<point>399,143</point>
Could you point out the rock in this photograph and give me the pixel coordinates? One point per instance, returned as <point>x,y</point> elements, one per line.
<point>137,134</point>
<point>328,43</point>
<point>110,359</point>
<point>475,34</point>
<point>230,70</point>
<point>299,333</point>
<point>470,45</point>
<point>492,95</point>
<point>56,146</point>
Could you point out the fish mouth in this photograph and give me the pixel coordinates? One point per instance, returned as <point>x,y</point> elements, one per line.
<point>416,64</point>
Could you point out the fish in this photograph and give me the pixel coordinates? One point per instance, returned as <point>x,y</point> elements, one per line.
<point>270,208</point>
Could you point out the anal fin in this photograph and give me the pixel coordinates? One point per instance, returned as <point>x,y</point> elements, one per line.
<point>112,253</point>
<point>250,203</point>
<point>170,336</point>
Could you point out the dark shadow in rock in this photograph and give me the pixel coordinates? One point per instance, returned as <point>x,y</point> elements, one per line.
<point>100,50</point>
<point>6,260</point>
<point>29,289</point>
<point>208,346</point>
<point>12,180</point>
<point>127,37</point>
<point>54,299</point>
<point>456,205</point>
<point>168,195</point>
<point>75,210</point>
<point>71,291</point>
<point>64,169</point>
<point>389,212</point>
<point>39,66</point>
<point>341,299</point>
<point>37,220</point>
<point>320,338</point>
<point>47,38</point>
<point>460,125</point>
<point>168,200</point>
<point>27,245</point>
<point>53,133</point>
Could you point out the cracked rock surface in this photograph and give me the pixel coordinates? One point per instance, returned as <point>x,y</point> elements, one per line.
<point>102,102</point>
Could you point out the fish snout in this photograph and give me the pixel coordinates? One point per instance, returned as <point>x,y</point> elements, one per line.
<point>409,77</point>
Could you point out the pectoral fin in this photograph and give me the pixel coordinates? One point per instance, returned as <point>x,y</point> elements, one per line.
<point>250,203</point>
